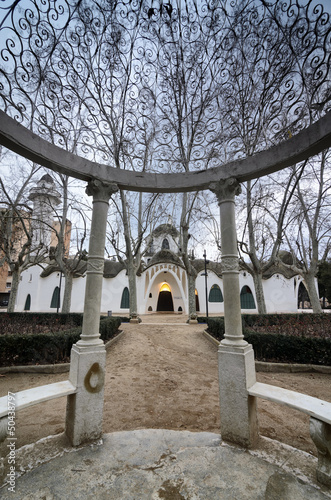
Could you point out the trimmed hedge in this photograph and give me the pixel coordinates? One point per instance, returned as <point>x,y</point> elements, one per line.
<point>48,348</point>
<point>276,347</point>
<point>202,319</point>
<point>301,324</point>
<point>26,323</point>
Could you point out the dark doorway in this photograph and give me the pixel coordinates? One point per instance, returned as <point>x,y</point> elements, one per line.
<point>303,297</point>
<point>197,304</point>
<point>165,302</point>
<point>27,305</point>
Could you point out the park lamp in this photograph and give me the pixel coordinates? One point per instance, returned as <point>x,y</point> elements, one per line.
<point>206,275</point>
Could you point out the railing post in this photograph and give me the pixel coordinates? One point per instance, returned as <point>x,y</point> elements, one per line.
<point>88,356</point>
<point>236,357</point>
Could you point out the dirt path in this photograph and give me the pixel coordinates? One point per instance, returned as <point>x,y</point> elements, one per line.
<point>165,376</point>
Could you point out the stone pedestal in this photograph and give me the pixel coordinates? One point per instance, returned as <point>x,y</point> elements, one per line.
<point>238,410</point>
<point>236,357</point>
<point>85,408</point>
<point>88,356</point>
<point>320,433</point>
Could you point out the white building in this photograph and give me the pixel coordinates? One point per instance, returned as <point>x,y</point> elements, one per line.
<point>162,284</point>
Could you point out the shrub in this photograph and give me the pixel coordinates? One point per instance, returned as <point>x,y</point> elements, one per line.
<point>202,319</point>
<point>216,327</point>
<point>280,348</point>
<point>26,323</point>
<point>45,348</point>
<point>307,337</point>
<point>309,325</point>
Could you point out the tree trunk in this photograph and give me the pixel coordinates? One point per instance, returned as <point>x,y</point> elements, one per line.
<point>258,285</point>
<point>66,304</point>
<point>14,289</point>
<point>132,289</point>
<point>191,294</point>
<point>312,292</point>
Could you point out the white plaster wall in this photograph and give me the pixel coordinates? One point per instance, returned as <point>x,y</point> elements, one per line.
<point>29,283</point>
<point>212,279</point>
<point>279,291</point>
<point>112,290</point>
<point>40,289</point>
<point>78,294</point>
<point>280,295</point>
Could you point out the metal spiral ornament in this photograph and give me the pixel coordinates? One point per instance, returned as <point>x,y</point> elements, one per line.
<point>165,86</point>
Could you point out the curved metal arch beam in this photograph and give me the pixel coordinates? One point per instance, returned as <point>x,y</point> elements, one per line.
<point>306,143</point>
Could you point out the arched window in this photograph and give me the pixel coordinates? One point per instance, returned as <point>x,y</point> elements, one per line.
<point>55,302</point>
<point>246,298</point>
<point>125,302</point>
<point>27,303</point>
<point>165,244</point>
<point>215,294</point>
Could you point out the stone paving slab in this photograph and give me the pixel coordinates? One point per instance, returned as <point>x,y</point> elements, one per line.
<point>161,464</point>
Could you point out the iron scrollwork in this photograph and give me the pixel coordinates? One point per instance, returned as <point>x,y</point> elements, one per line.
<point>164,86</point>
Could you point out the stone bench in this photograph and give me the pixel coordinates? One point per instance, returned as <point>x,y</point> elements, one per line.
<point>30,397</point>
<point>320,420</point>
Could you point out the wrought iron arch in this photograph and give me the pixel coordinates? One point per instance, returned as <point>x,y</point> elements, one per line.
<point>148,95</point>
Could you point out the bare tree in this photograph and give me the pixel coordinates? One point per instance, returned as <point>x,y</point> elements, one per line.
<point>18,250</point>
<point>134,219</point>
<point>70,264</point>
<point>308,231</point>
<point>253,100</point>
<point>185,84</point>
<point>265,209</point>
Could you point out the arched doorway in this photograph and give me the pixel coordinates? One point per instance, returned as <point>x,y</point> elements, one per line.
<point>197,304</point>
<point>303,297</point>
<point>165,302</point>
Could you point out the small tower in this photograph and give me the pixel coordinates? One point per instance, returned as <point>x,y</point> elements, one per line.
<point>45,199</point>
<point>163,237</point>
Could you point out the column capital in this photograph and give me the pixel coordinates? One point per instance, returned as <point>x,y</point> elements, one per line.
<point>226,189</point>
<point>100,190</point>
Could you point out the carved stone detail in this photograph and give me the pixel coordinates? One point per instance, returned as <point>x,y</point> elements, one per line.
<point>101,190</point>
<point>95,264</point>
<point>230,263</point>
<point>320,433</point>
<point>225,189</point>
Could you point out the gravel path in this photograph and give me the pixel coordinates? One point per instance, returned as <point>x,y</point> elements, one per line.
<point>162,374</point>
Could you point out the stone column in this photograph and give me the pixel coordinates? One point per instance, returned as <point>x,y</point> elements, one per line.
<point>235,355</point>
<point>88,356</point>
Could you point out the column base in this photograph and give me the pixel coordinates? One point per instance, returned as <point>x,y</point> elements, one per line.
<point>84,413</point>
<point>238,409</point>
<point>320,433</point>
